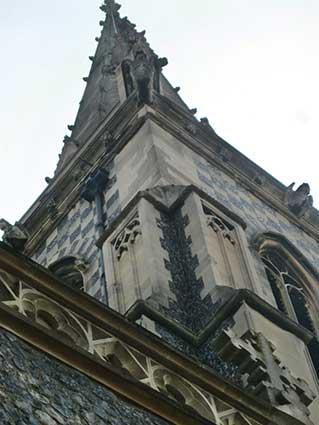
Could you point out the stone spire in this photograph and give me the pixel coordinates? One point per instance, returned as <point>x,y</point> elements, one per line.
<point>123,64</point>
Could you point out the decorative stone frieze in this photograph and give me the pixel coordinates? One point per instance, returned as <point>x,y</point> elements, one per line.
<point>78,331</point>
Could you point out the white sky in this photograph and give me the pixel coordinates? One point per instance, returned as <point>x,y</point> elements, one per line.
<point>250,66</point>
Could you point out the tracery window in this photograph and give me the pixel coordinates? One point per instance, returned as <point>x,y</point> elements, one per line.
<point>226,247</point>
<point>293,295</point>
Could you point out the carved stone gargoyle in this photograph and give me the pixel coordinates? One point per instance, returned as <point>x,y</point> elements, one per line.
<point>14,235</point>
<point>299,201</point>
<point>142,74</point>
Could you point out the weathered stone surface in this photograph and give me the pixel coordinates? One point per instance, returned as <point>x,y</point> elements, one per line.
<point>38,390</point>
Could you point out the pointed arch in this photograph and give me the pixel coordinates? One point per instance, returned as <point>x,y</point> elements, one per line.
<point>294,283</point>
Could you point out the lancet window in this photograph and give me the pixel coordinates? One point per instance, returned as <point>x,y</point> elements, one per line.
<point>293,294</point>
<point>226,246</point>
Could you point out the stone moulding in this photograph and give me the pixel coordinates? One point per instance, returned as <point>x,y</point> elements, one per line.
<point>276,241</point>
<point>159,198</point>
<point>164,113</point>
<point>117,330</point>
<point>240,296</point>
<point>151,196</point>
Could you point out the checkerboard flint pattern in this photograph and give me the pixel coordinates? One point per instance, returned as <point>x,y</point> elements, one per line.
<point>258,216</point>
<point>76,236</point>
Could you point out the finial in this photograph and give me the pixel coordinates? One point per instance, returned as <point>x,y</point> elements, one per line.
<point>111,8</point>
<point>162,62</point>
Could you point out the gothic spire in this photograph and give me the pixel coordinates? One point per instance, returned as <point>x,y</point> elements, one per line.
<point>123,64</point>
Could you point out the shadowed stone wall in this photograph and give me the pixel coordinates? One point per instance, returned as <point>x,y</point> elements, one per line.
<point>38,390</point>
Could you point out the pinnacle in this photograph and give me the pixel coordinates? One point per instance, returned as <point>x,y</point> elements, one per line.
<point>110,7</point>
<point>118,43</point>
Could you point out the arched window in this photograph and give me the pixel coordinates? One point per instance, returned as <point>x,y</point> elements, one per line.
<point>294,285</point>
<point>68,269</point>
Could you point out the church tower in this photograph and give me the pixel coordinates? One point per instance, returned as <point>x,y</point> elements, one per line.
<point>162,277</point>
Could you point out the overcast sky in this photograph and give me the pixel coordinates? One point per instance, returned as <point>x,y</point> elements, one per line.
<point>250,66</point>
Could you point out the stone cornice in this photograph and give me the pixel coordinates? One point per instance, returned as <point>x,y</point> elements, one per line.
<point>215,150</point>
<point>123,123</point>
<point>104,318</point>
<point>186,191</point>
<point>90,365</point>
<point>240,296</point>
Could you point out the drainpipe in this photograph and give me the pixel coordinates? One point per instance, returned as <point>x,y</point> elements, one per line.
<point>92,191</point>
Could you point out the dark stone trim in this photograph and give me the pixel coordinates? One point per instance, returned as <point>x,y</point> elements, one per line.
<point>228,309</point>
<point>189,309</point>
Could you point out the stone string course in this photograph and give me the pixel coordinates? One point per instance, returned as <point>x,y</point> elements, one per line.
<point>38,390</point>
